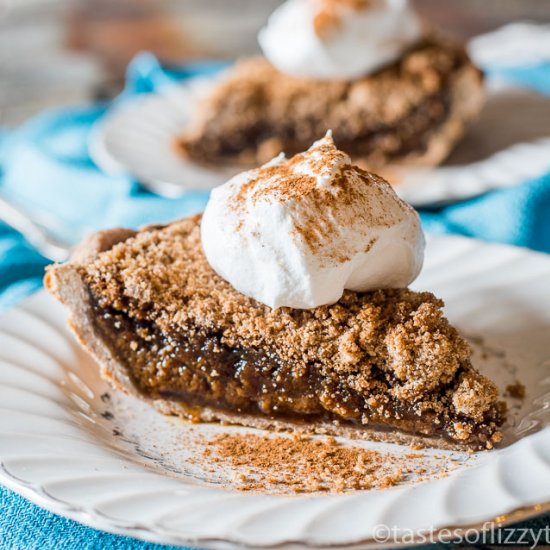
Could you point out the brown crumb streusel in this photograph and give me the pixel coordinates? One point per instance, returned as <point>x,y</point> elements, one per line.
<point>393,349</point>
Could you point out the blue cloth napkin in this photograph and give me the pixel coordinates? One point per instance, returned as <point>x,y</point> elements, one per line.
<point>45,166</point>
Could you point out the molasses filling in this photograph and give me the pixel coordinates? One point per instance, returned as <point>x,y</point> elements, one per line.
<point>256,111</point>
<point>183,335</point>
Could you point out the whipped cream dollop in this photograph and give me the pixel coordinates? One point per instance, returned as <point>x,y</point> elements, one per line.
<point>338,39</point>
<point>297,232</point>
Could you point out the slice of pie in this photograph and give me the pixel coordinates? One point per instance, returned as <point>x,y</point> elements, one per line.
<point>166,328</point>
<point>412,111</point>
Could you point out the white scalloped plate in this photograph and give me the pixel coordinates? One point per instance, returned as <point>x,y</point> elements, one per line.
<point>508,145</point>
<point>115,464</point>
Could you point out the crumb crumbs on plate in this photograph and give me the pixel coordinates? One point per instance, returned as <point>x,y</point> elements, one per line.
<point>303,464</point>
<point>515,390</point>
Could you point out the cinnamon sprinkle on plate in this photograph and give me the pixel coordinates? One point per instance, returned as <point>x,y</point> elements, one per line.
<point>303,464</point>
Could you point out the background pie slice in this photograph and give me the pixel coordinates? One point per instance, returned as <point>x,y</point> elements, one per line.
<point>412,111</point>
<point>166,328</point>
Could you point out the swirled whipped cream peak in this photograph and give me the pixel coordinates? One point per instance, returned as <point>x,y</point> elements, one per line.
<point>338,39</point>
<point>297,232</point>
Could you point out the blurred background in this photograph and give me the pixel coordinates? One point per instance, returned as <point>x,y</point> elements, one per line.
<point>56,52</point>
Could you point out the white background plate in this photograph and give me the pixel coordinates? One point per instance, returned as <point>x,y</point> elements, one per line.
<point>508,145</point>
<point>57,445</point>
<point>138,138</point>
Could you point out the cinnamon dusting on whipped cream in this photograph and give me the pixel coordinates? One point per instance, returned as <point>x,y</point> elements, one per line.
<point>329,13</point>
<point>297,232</point>
<point>285,182</point>
<point>338,39</point>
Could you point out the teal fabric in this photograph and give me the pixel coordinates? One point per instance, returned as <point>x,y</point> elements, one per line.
<point>45,166</point>
<point>24,526</point>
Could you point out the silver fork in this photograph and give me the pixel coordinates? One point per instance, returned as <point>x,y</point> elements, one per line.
<point>37,233</point>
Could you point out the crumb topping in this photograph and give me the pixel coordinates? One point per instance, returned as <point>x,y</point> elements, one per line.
<point>472,387</point>
<point>387,344</point>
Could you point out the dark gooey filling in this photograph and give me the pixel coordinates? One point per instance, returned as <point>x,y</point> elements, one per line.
<point>201,371</point>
